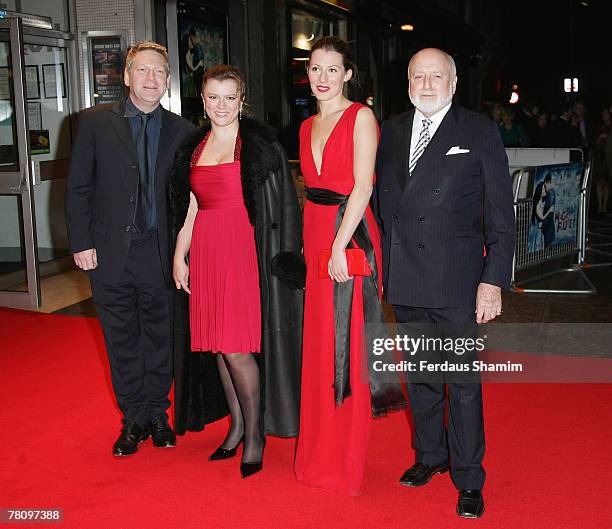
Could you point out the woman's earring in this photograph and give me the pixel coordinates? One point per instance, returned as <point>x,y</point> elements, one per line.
<point>205,116</point>
<point>240,113</point>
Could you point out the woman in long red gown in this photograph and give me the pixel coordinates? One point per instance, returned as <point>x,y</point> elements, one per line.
<point>337,152</point>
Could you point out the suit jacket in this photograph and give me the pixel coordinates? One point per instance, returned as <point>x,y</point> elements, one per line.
<point>564,135</point>
<point>103,185</point>
<point>436,222</point>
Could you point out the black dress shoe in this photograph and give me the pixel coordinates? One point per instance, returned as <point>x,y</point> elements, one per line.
<point>420,474</point>
<point>131,435</point>
<point>470,504</point>
<point>248,469</point>
<point>224,453</point>
<point>162,434</point>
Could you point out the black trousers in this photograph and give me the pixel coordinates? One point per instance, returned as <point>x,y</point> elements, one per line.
<point>135,318</point>
<point>462,442</point>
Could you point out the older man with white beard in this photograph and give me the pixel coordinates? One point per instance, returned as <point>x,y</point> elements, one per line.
<point>443,194</point>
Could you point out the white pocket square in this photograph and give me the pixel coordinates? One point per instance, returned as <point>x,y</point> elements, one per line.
<point>456,150</point>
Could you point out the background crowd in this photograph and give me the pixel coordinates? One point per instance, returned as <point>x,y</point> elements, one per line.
<point>530,125</point>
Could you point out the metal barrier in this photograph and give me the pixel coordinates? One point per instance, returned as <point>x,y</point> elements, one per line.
<point>600,248</point>
<point>524,258</point>
<point>519,158</point>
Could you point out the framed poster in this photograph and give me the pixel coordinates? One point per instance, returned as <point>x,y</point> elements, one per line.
<point>39,142</point>
<point>32,82</point>
<point>5,87</point>
<point>54,80</point>
<point>555,204</point>
<point>107,66</point>
<point>34,115</point>
<point>104,53</point>
<point>202,38</point>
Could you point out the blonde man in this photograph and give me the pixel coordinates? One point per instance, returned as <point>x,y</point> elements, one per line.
<point>117,226</point>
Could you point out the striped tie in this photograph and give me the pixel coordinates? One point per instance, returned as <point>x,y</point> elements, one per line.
<point>421,144</point>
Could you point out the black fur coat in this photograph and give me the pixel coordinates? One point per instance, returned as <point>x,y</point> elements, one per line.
<point>272,206</point>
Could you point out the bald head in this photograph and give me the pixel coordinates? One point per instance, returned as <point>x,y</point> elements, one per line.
<point>429,55</point>
<point>432,78</point>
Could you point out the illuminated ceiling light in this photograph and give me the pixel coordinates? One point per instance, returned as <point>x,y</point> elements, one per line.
<point>304,42</point>
<point>407,27</point>
<point>570,85</point>
<point>300,58</point>
<point>514,98</point>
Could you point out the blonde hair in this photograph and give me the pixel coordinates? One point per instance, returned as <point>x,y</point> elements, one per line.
<point>143,46</point>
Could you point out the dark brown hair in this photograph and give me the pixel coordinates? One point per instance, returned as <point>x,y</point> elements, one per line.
<point>222,72</point>
<point>339,46</point>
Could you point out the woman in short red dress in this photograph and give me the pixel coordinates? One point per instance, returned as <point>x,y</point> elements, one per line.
<point>337,152</point>
<point>229,246</point>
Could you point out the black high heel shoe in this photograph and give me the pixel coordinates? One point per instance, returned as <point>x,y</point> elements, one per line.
<point>225,453</point>
<point>248,469</point>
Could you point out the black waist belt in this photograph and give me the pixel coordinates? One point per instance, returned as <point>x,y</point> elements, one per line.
<point>387,395</point>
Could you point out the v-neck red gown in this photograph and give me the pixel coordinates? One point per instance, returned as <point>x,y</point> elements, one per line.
<point>333,441</point>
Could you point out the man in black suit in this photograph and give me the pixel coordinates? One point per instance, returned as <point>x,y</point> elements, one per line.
<point>443,194</point>
<point>117,225</point>
<point>563,133</point>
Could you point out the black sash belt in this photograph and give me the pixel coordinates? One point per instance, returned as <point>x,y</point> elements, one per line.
<point>387,395</point>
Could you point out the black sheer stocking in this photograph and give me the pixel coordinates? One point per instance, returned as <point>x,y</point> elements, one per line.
<point>236,431</point>
<point>245,377</point>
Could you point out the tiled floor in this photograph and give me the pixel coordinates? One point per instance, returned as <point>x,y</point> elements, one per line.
<point>82,308</point>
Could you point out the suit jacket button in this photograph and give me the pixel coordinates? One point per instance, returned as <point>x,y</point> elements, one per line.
<point>128,228</point>
<point>131,200</point>
<point>133,167</point>
<point>437,190</point>
<point>421,218</point>
<point>420,246</point>
<point>395,217</point>
<point>274,225</point>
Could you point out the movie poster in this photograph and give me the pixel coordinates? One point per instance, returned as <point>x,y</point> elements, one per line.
<point>554,206</point>
<point>107,69</point>
<point>202,35</point>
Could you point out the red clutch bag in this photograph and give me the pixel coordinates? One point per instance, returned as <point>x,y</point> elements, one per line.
<point>355,258</point>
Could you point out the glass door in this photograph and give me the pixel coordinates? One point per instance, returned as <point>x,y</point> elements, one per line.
<point>19,276</point>
<point>50,95</point>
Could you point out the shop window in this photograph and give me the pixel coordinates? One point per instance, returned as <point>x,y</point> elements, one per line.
<point>306,29</point>
<point>56,10</point>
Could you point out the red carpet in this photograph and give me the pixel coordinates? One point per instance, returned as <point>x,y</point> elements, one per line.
<point>549,455</point>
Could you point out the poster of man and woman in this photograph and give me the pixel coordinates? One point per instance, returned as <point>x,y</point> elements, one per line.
<point>202,34</point>
<point>554,206</point>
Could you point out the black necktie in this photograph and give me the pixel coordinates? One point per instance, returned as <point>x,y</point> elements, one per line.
<point>143,209</point>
